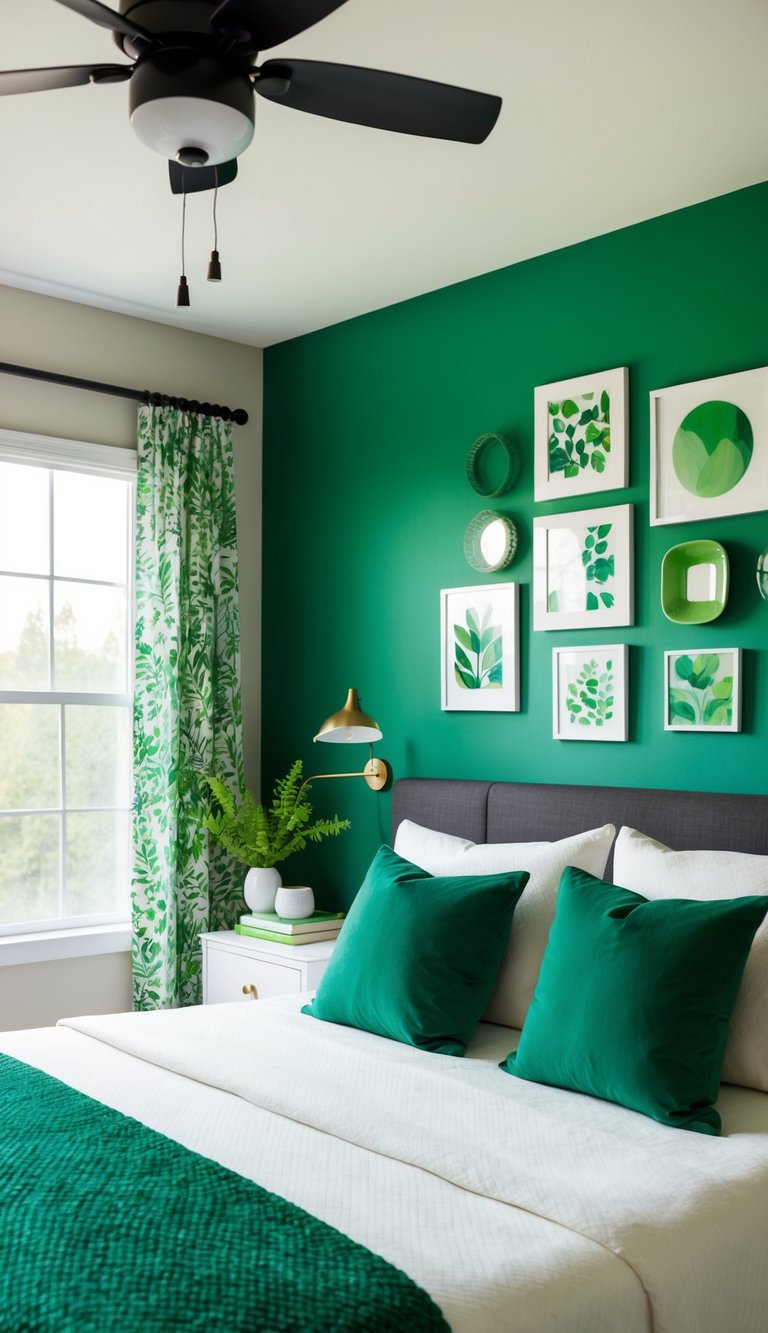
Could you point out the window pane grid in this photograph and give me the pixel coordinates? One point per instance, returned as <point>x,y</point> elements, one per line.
<point>66,697</point>
<point>51,645</point>
<point>70,810</point>
<point>67,861</point>
<point>63,834</point>
<point>59,578</point>
<point>63,867</point>
<point>57,923</point>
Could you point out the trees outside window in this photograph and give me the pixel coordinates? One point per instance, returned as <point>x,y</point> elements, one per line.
<point>66,533</point>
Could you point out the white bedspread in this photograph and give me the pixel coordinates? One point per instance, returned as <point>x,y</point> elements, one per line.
<point>518,1207</point>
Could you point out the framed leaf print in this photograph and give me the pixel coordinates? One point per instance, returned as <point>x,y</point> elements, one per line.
<point>480,656</point>
<point>582,569</point>
<point>580,436</point>
<point>709,448</point>
<point>702,690</point>
<point>589,693</point>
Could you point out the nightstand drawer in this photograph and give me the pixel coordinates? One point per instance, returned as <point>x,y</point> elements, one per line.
<point>232,961</point>
<point>229,970</point>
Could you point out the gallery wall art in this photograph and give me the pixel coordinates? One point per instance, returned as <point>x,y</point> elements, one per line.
<point>486,451</point>
<point>580,436</point>
<point>490,541</point>
<point>582,569</point>
<point>695,578</point>
<point>589,693</point>
<point>709,448</point>
<point>709,445</point>
<point>702,690</point>
<point>480,651</point>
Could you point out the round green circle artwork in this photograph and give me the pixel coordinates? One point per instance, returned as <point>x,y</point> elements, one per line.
<point>712,448</point>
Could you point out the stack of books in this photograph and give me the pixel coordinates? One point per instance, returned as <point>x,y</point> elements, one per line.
<point>304,930</point>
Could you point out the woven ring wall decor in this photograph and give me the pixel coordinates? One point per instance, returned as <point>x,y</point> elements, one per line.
<point>500,546</point>
<point>478,456</point>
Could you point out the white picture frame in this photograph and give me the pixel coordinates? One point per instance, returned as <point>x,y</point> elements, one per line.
<point>469,651</point>
<point>695,698</point>
<point>718,465</point>
<point>589,693</point>
<point>572,590</point>
<point>574,456</point>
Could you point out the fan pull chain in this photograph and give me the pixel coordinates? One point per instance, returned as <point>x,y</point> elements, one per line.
<point>182,291</point>
<point>214,266</point>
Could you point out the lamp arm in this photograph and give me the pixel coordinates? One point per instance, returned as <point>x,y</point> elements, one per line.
<point>318,777</point>
<point>376,773</point>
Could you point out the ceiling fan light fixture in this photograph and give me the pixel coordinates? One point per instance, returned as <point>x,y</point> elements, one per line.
<point>187,128</point>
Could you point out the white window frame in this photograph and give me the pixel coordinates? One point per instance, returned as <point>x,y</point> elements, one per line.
<point>43,941</point>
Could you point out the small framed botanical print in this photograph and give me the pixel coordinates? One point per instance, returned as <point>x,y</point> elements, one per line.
<point>589,693</point>
<point>480,655</point>
<point>709,448</point>
<point>702,690</point>
<point>582,569</point>
<point>580,436</point>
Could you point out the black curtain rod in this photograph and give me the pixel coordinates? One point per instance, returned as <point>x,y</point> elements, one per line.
<point>237,415</point>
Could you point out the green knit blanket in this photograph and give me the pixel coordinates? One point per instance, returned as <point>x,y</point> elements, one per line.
<point>107,1226</point>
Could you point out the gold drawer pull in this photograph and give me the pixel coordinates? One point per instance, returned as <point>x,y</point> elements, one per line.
<point>252,991</point>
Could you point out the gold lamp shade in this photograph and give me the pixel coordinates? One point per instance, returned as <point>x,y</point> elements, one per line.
<point>350,726</point>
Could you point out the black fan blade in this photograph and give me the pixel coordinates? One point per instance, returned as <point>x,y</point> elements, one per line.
<point>383,101</point>
<point>272,21</point>
<point>192,180</point>
<point>62,76</point>
<point>108,18</point>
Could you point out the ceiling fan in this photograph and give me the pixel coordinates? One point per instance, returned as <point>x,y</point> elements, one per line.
<point>194,73</point>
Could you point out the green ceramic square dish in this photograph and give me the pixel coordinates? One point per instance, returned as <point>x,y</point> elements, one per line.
<point>694,582</point>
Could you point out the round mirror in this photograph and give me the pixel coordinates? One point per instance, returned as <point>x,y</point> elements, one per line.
<point>490,542</point>
<point>762,574</point>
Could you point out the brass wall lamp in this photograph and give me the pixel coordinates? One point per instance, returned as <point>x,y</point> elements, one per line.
<point>351,726</point>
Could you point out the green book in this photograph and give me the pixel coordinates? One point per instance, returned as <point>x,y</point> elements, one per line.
<point>293,926</point>
<point>313,937</point>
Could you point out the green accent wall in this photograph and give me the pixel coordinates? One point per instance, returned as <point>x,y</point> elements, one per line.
<point>367,427</point>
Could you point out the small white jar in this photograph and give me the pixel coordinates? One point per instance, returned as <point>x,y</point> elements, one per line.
<point>294,901</point>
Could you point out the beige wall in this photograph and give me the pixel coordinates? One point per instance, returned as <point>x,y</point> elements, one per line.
<point>35,995</point>
<point>96,344</point>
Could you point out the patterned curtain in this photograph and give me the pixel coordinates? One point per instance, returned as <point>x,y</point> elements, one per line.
<point>187,716</point>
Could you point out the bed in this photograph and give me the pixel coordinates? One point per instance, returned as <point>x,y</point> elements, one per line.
<point>515,1206</point>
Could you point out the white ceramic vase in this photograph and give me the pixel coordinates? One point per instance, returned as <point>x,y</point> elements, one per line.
<point>261,885</point>
<point>294,901</point>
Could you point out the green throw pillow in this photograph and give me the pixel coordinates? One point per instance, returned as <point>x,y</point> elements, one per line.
<point>418,955</point>
<point>634,997</point>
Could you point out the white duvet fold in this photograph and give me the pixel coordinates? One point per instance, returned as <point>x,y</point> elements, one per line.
<point>681,1209</point>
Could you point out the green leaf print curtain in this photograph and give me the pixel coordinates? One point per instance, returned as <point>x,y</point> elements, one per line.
<point>187,717</point>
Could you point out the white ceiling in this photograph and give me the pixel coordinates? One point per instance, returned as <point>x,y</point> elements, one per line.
<point>613,112</point>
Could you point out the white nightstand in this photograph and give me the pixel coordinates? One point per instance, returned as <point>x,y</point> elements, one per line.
<point>240,967</point>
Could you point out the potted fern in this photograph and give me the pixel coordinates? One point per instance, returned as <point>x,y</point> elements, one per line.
<point>259,836</point>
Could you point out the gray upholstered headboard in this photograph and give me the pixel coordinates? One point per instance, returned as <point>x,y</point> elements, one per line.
<point>530,812</point>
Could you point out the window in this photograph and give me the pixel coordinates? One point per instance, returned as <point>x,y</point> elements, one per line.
<point>66,543</point>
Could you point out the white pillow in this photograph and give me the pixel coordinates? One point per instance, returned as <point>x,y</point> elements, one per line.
<point>426,847</point>
<point>656,871</point>
<point>442,854</point>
